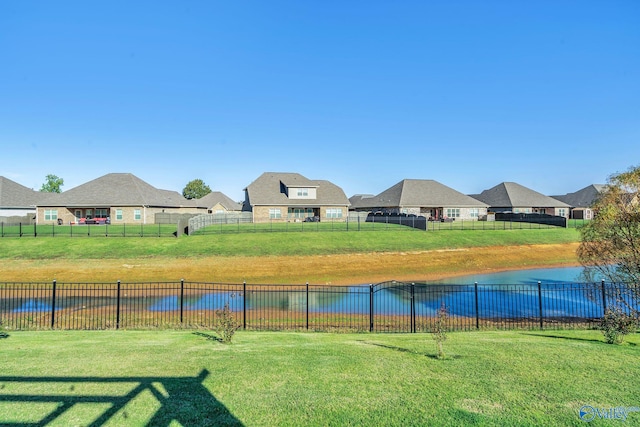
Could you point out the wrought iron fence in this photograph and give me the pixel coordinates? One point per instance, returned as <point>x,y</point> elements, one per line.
<point>383,307</point>
<point>87,230</point>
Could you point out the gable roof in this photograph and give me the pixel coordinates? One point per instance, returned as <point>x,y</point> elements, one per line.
<point>14,195</point>
<point>119,189</point>
<point>267,190</point>
<point>583,198</point>
<point>216,197</point>
<point>511,194</point>
<point>419,193</point>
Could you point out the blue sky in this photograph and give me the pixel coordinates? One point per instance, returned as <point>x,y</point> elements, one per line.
<point>361,93</point>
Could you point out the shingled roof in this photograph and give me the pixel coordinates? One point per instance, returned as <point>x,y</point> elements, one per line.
<point>583,198</point>
<point>216,197</point>
<point>419,193</point>
<point>267,190</point>
<point>119,189</point>
<point>511,194</point>
<point>14,195</point>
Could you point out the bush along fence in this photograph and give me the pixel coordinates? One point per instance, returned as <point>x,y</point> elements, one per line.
<point>383,307</point>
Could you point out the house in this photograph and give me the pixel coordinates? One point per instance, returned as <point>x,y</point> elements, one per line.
<point>292,197</point>
<point>121,197</point>
<point>513,197</point>
<point>581,201</point>
<point>424,197</point>
<point>17,200</point>
<point>218,203</point>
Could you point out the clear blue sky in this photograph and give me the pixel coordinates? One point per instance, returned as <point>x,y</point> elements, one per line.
<point>361,93</point>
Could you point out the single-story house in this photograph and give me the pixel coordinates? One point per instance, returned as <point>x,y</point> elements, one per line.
<point>218,203</point>
<point>279,196</point>
<point>17,201</point>
<point>121,197</point>
<point>582,200</point>
<point>422,197</point>
<point>513,197</point>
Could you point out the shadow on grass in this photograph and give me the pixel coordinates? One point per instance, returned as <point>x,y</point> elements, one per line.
<point>4,335</point>
<point>562,337</point>
<point>210,337</point>
<point>183,400</point>
<point>406,350</point>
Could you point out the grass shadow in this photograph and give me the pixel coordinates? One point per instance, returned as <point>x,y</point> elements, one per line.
<point>209,337</point>
<point>632,344</point>
<point>182,400</point>
<point>406,350</point>
<point>4,335</point>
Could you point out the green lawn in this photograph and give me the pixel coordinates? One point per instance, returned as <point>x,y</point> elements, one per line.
<point>275,244</point>
<point>493,378</point>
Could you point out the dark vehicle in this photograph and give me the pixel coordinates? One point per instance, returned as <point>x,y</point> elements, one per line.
<point>312,219</point>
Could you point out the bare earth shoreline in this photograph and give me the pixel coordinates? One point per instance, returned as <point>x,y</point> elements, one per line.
<point>319,269</point>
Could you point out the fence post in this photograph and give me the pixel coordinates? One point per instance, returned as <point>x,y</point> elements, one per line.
<point>307,305</point>
<point>370,308</point>
<point>413,309</point>
<point>244,304</point>
<point>35,230</point>
<point>540,303</point>
<point>20,229</point>
<point>181,300</point>
<point>53,304</point>
<point>475,288</point>
<point>604,298</point>
<point>118,307</point>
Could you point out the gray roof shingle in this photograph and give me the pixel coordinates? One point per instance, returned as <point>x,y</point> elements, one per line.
<point>118,189</point>
<point>14,195</point>
<point>511,194</point>
<point>583,198</point>
<point>419,193</point>
<point>215,197</point>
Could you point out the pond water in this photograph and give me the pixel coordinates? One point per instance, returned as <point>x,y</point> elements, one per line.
<point>511,294</point>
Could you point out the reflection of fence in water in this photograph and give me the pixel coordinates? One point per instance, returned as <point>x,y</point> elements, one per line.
<point>389,306</point>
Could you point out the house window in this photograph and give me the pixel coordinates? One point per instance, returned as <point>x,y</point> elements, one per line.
<point>562,212</point>
<point>50,214</point>
<point>303,192</point>
<point>453,213</point>
<point>474,212</point>
<point>119,214</point>
<point>275,213</point>
<point>101,213</point>
<point>137,215</point>
<point>88,213</point>
<point>334,213</point>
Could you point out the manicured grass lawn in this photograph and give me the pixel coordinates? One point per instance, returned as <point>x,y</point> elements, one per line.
<point>275,244</point>
<point>291,379</point>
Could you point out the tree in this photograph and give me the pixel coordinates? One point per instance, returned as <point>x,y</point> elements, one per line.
<point>52,184</point>
<point>196,189</point>
<point>610,243</point>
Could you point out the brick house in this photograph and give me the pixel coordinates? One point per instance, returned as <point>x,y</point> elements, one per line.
<point>278,196</point>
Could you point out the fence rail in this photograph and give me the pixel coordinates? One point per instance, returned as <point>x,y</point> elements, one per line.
<point>384,307</point>
<point>87,230</point>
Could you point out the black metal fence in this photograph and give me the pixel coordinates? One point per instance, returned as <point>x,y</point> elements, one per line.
<point>87,230</point>
<point>384,307</point>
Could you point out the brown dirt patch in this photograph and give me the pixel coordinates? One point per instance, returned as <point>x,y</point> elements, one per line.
<point>322,269</point>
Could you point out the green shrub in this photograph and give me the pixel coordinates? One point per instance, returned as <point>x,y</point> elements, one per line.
<point>615,324</point>
<point>226,324</point>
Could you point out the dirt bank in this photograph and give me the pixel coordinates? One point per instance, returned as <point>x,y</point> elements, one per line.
<point>322,269</point>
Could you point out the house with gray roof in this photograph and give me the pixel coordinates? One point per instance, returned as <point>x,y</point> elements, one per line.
<point>513,197</point>
<point>582,200</point>
<point>422,197</point>
<point>121,197</point>
<point>16,200</point>
<point>279,196</point>
<point>218,203</point>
